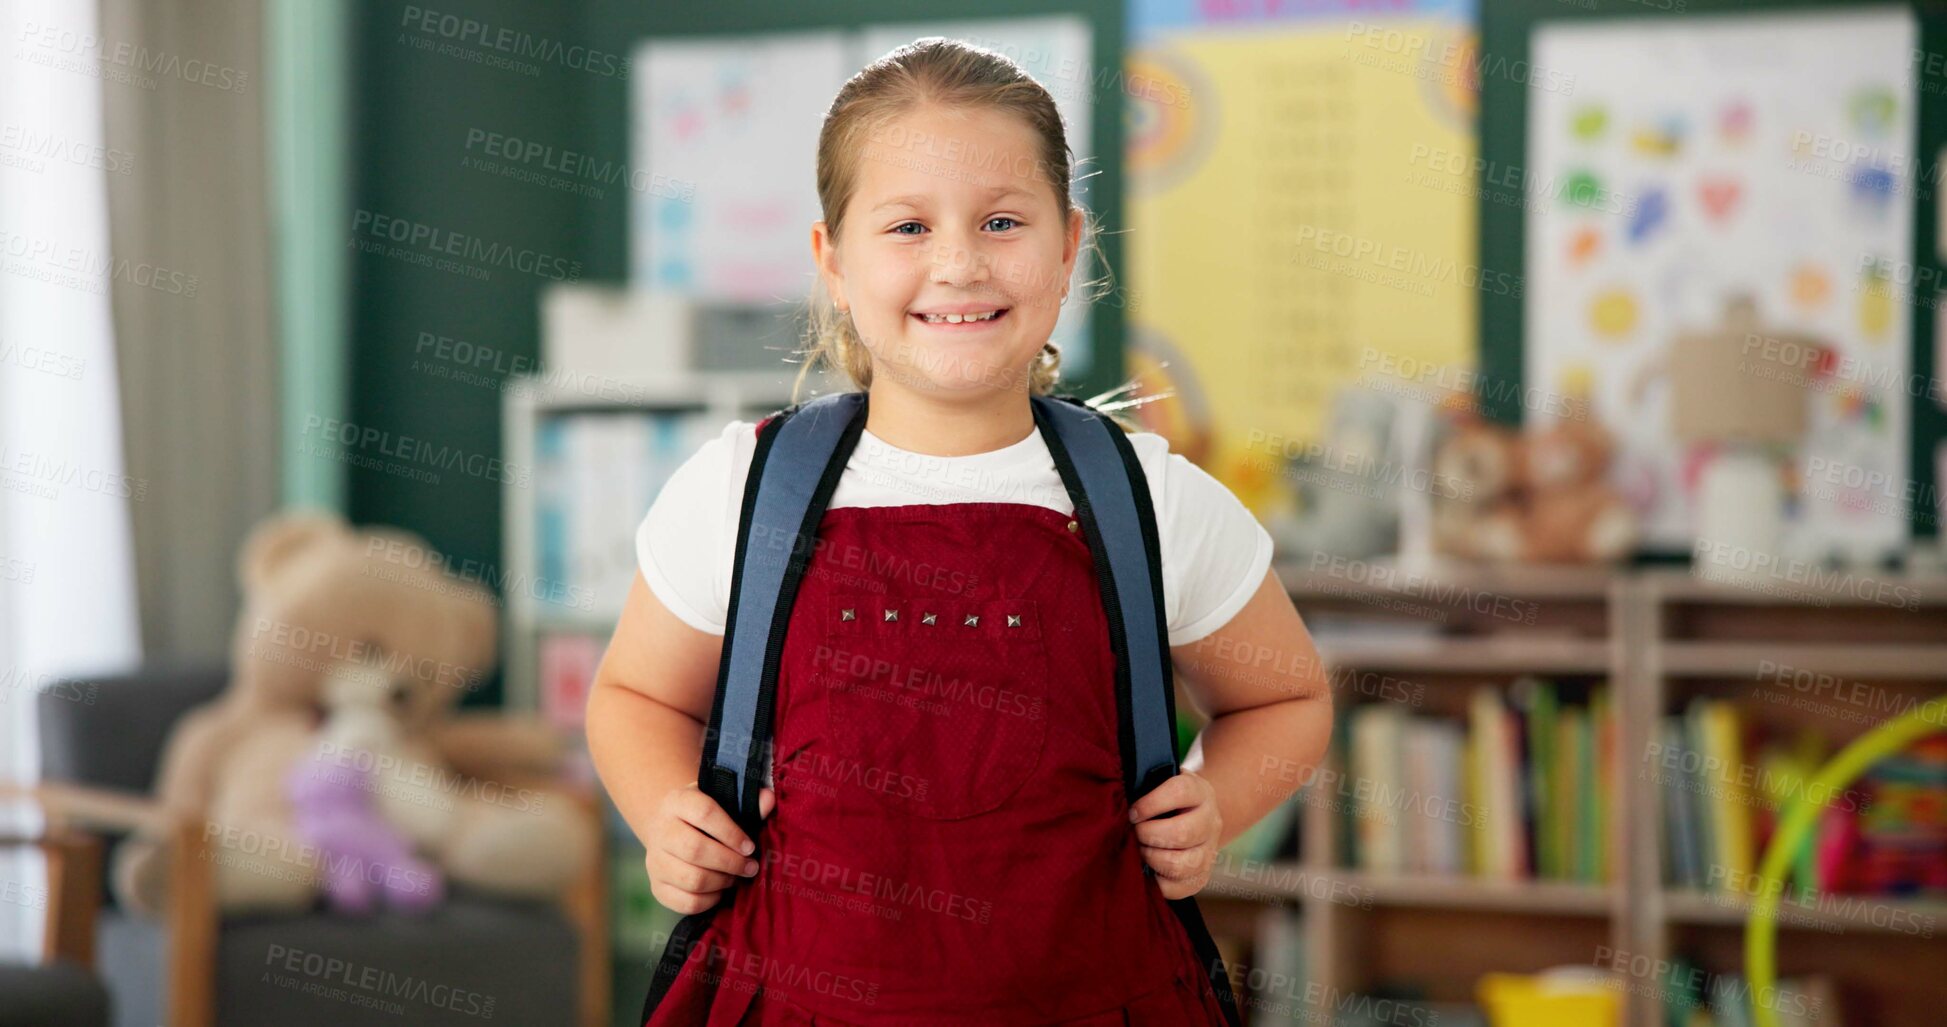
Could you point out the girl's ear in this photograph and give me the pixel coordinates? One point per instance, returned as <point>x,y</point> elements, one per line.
<point>824,251</point>
<point>1072,244</point>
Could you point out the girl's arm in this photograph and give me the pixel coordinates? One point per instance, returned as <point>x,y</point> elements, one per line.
<point>1260,680</point>
<point>646,713</point>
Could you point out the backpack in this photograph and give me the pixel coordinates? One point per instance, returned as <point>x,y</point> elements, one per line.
<point>800,453</point>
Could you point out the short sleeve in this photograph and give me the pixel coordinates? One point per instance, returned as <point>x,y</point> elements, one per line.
<point>1214,551</point>
<point>683,545</point>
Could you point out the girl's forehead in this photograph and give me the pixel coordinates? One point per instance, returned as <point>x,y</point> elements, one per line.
<point>943,158</point>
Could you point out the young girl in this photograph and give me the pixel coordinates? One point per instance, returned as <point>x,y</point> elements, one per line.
<point>946,835</point>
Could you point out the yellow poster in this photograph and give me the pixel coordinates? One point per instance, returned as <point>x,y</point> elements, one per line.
<point>1302,215</point>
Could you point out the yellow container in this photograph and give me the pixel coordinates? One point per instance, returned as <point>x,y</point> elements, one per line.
<point>1550,1000</point>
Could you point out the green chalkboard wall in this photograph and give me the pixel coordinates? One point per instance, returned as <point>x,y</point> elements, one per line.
<point>1505,29</point>
<point>430,343</point>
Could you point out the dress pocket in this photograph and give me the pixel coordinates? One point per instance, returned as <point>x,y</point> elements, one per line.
<point>939,706</point>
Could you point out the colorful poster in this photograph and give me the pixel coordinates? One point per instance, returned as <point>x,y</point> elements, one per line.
<point>1702,158</point>
<point>1301,200</point>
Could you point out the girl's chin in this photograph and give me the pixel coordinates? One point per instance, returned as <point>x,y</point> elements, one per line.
<point>962,379</point>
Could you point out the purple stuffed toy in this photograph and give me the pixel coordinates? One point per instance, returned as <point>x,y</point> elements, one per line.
<point>362,857</point>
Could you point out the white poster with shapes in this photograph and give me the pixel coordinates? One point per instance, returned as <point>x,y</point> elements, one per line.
<point>1698,158</point>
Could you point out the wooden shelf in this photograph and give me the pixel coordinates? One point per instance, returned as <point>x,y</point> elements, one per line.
<point>1748,659</point>
<point>1290,880</point>
<point>1832,913</point>
<point>1843,589</point>
<point>1499,654</point>
<point>670,391</point>
<point>1565,898</point>
<point>575,621</point>
<point>1646,632</point>
<point>1324,580</point>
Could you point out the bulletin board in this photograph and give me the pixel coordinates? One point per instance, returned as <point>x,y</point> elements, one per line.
<point>1511,30</point>
<point>1767,155</point>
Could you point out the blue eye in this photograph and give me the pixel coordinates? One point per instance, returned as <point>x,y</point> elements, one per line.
<point>1002,218</point>
<point>908,224</point>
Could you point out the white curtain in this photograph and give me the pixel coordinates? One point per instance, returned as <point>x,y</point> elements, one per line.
<point>67,595</point>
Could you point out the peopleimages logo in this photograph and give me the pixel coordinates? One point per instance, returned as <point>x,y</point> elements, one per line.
<point>421,236</point>
<point>513,42</point>
<point>134,57</point>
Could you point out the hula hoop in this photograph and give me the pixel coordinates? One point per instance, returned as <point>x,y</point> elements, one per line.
<point>1761,927</point>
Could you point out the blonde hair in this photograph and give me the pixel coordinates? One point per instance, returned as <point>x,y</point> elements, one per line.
<point>949,73</point>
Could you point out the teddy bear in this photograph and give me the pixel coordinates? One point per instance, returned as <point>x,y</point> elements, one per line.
<point>1541,497</point>
<point>324,602</point>
<point>1481,461</point>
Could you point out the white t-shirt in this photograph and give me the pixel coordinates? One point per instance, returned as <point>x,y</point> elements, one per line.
<point>1214,550</point>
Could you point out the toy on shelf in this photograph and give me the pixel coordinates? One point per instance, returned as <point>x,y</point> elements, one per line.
<point>1541,497</point>
<point>1795,825</point>
<point>1348,485</point>
<point>1895,841</point>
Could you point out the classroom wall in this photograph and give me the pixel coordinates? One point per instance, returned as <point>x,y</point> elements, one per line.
<point>417,105</point>
<point>412,112</point>
<point>418,117</point>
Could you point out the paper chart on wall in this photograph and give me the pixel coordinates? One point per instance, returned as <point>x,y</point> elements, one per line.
<point>1703,157</point>
<point>724,142</point>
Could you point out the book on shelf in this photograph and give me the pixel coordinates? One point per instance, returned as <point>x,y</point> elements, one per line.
<point>1512,791</point>
<point>1726,785</point>
<point>595,476</point>
<point>1276,976</point>
<point>567,663</point>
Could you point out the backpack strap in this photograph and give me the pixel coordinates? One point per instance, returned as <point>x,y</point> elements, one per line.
<point>1106,483</point>
<point>1098,466</point>
<point>800,453</point>
<point>794,469</point>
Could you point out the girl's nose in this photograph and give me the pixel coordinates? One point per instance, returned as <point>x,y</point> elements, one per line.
<point>959,262</point>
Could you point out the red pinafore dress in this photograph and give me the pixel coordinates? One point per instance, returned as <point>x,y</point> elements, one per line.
<point>951,843</point>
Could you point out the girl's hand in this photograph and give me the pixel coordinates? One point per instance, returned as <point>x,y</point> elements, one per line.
<point>697,851</point>
<point>1181,848</point>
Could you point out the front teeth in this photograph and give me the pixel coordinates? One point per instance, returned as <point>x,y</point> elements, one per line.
<point>954,319</point>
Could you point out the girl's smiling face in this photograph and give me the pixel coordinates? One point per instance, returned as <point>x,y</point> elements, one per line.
<point>952,214</point>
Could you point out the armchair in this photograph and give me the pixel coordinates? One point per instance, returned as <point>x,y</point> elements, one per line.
<point>63,991</point>
<point>476,957</point>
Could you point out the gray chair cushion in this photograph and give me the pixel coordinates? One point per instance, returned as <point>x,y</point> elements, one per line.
<point>108,731</point>
<point>57,994</point>
<point>473,959</point>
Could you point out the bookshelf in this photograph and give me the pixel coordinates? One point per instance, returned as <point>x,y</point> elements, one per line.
<point>1659,638</point>
<point>1721,642</point>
